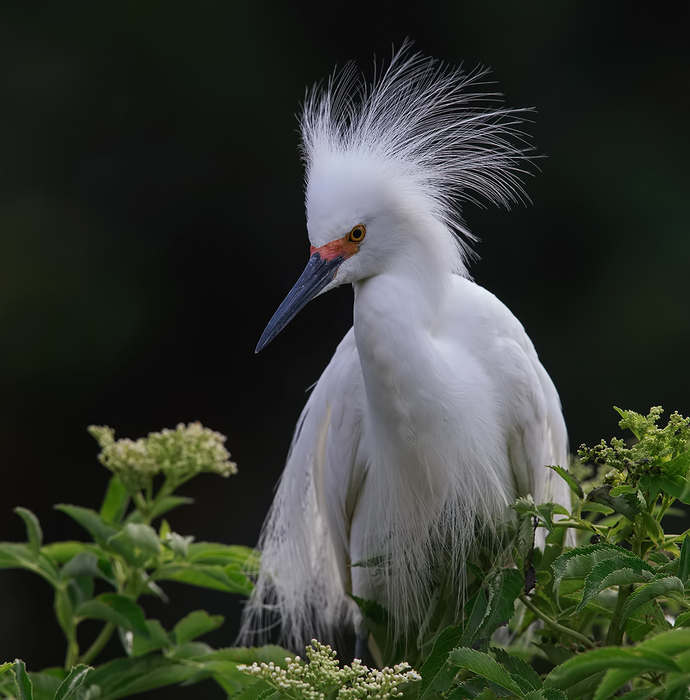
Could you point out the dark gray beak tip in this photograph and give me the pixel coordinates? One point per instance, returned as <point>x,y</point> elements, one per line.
<point>318,273</point>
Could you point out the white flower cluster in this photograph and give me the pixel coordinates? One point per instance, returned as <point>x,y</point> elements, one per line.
<point>179,454</point>
<point>322,677</point>
<point>190,449</point>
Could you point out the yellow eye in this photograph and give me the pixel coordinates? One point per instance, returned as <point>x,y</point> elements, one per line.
<point>357,234</point>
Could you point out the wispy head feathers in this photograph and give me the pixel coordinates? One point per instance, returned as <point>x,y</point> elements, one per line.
<point>448,140</point>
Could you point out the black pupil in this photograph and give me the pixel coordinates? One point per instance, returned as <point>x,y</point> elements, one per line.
<point>357,233</point>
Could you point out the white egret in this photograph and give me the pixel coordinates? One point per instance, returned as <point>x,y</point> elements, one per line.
<point>434,412</point>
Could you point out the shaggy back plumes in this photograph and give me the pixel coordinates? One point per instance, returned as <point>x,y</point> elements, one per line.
<point>449,141</point>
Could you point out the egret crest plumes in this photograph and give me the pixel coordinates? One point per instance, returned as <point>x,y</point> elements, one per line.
<point>425,125</point>
<point>434,412</point>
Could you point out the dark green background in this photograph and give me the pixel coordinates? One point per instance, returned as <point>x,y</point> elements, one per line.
<point>151,220</point>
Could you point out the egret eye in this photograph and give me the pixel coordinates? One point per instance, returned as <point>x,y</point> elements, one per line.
<point>357,234</point>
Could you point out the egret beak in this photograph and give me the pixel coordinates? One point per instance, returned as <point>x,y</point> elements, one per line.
<point>317,274</point>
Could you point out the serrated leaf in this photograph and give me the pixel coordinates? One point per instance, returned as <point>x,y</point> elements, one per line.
<point>485,666</point>
<point>524,505</point>
<point>503,589</point>
<point>73,682</point>
<point>195,624</point>
<point>578,562</point>
<point>553,694</point>
<point>115,501</point>
<point>583,666</point>
<point>435,672</point>
<point>678,466</point>
<point>34,533</point>
<point>522,673</point>
<point>116,608</point>
<point>266,694</point>
<point>661,585</point>
<point>608,573</point>
<point>569,479</point>
<point>25,689</point>
<point>628,504</point>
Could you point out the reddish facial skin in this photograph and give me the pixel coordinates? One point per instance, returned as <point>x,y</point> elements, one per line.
<point>342,247</point>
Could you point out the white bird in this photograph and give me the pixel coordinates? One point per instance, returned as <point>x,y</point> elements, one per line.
<point>434,412</point>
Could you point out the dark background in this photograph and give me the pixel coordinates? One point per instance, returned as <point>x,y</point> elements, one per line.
<point>151,220</point>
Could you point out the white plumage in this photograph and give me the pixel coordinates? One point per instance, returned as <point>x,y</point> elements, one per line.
<point>434,412</point>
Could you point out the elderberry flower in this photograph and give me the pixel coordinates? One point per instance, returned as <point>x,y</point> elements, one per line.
<point>322,677</point>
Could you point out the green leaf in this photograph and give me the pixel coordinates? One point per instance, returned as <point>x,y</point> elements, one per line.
<point>581,667</point>
<point>25,689</point>
<point>684,561</point>
<point>661,585</point>
<point>158,639</point>
<point>128,676</point>
<point>33,531</point>
<point>115,501</point>
<point>629,504</point>
<point>503,589</point>
<point>245,558</point>
<point>73,682</point>
<point>116,608</point>
<point>91,522</point>
<point>678,466</point>
<point>85,564</point>
<point>178,544</point>
<point>578,562</point>
<point>215,577</point>
<point>656,534</point>
<point>62,552</point>
<point>436,674</point>
<point>141,537</point>
<point>167,504</point>
<point>608,573</point>
<point>654,483</point>
<point>267,693</point>
<point>485,666</point>
<point>521,672</point>
<point>195,624</point>
<point>571,480</point>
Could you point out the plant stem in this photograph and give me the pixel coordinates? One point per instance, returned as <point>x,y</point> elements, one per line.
<point>72,651</point>
<point>550,622</point>
<point>615,634</point>
<point>95,649</point>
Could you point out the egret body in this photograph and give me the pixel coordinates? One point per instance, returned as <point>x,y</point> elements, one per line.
<point>434,412</point>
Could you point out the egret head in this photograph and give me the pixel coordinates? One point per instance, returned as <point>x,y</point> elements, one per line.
<point>393,159</point>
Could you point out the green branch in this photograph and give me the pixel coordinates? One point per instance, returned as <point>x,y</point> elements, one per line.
<point>550,622</point>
